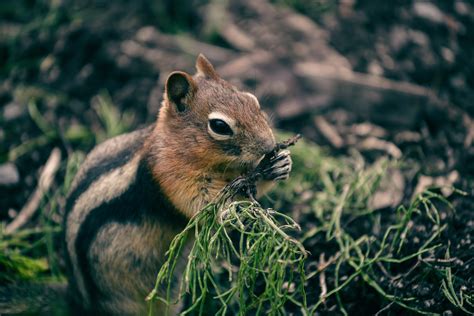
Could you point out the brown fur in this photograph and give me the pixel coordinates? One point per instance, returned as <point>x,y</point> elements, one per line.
<point>205,68</point>
<point>181,152</point>
<point>135,192</point>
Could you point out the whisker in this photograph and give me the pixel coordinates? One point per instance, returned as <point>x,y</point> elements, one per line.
<point>228,165</point>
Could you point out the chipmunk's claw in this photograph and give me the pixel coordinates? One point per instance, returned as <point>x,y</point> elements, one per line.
<point>280,167</point>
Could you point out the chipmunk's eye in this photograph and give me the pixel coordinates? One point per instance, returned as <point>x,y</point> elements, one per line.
<point>220,127</point>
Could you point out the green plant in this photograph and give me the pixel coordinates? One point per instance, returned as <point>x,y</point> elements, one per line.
<point>31,253</point>
<point>261,260</point>
<point>114,122</point>
<point>334,195</point>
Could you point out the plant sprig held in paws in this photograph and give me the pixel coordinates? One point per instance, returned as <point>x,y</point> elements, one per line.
<point>245,185</point>
<point>261,260</point>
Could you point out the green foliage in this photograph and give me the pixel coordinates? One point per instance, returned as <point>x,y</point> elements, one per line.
<point>48,133</point>
<point>32,253</point>
<point>235,252</point>
<point>242,258</point>
<point>27,16</point>
<point>15,263</point>
<point>114,122</point>
<point>335,194</point>
<point>260,259</point>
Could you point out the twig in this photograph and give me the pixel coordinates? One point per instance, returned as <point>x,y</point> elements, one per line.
<point>44,183</point>
<point>322,279</point>
<point>329,132</point>
<point>385,308</point>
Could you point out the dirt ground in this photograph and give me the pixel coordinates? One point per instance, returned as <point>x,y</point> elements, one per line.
<point>381,79</point>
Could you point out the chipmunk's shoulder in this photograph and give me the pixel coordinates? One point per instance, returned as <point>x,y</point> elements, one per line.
<point>111,154</point>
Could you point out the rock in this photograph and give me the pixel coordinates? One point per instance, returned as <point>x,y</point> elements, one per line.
<point>448,55</point>
<point>390,193</point>
<point>376,144</point>
<point>419,38</point>
<point>12,111</point>
<point>9,175</point>
<point>428,11</point>
<point>398,38</point>
<point>329,132</point>
<point>424,290</point>
<point>407,137</point>
<point>429,303</point>
<point>444,182</point>
<point>375,69</point>
<point>462,8</point>
<point>237,38</point>
<point>367,129</point>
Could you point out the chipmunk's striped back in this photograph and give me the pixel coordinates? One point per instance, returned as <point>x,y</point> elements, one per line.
<point>116,223</point>
<point>135,192</point>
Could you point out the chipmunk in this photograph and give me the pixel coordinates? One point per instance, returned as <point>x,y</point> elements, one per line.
<point>135,192</point>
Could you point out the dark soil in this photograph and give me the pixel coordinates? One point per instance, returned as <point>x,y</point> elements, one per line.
<point>64,58</point>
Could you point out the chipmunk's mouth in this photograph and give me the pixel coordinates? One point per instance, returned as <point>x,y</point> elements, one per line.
<point>251,160</point>
<point>237,167</point>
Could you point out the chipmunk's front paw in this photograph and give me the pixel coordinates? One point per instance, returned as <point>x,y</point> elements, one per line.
<point>280,167</point>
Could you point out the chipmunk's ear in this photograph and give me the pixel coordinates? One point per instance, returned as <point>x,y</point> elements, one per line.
<point>179,85</point>
<point>205,68</point>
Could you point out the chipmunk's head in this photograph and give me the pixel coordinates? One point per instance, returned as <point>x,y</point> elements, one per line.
<point>217,124</point>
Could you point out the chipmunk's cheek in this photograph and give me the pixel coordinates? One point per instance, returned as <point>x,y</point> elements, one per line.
<point>246,157</point>
<point>232,150</point>
<point>251,159</point>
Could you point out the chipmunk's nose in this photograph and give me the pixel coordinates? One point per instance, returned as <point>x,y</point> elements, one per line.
<point>267,146</point>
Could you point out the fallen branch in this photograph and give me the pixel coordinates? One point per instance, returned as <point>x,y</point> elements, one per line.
<point>44,183</point>
<point>329,132</point>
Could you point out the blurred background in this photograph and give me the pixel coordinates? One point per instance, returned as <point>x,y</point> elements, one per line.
<point>382,78</point>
